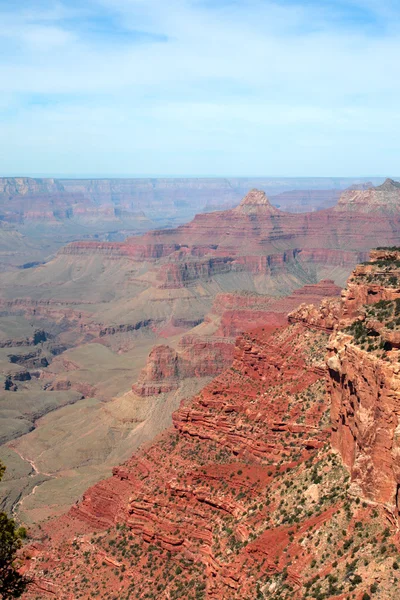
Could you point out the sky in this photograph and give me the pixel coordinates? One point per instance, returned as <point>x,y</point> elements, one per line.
<point>199,88</point>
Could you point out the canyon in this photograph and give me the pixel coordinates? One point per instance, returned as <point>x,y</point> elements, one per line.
<point>38,216</point>
<point>278,480</point>
<point>27,198</point>
<point>90,385</point>
<point>132,328</point>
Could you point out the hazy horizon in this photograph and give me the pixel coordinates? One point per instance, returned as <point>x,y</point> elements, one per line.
<point>189,176</point>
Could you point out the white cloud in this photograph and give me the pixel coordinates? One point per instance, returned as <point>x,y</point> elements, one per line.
<point>256,75</point>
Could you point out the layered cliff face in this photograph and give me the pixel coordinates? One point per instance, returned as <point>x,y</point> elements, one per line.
<point>256,227</point>
<point>53,212</point>
<point>243,312</point>
<point>177,273</point>
<point>67,209</point>
<point>197,357</point>
<point>161,373</point>
<point>204,499</point>
<point>384,198</point>
<point>258,238</point>
<point>58,206</point>
<point>364,381</point>
<point>209,349</point>
<point>244,497</point>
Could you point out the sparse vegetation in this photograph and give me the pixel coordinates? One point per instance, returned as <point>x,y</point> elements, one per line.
<point>12,583</point>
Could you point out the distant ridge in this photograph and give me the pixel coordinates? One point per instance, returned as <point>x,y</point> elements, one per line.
<point>388,185</point>
<point>384,199</point>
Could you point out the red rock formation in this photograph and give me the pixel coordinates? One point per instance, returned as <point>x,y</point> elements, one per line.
<point>369,283</point>
<point>208,355</point>
<point>197,357</point>
<point>223,459</point>
<point>365,414</point>
<point>384,199</point>
<point>265,415</point>
<point>235,322</point>
<point>176,275</point>
<point>243,233</point>
<point>161,374</point>
<point>256,203</point>
<point>364,382</point>
<point>258,238</point>
<point>243,497</point>
<point>245,312</point>
<point>205,356</point>
<point>325,317</point>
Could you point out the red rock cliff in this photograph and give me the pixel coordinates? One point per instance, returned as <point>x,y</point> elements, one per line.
<point>243,498</point>
<point>364,382</point>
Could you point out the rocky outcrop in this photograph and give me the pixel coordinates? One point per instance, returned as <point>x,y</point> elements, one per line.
<point>258,358</point>
<point>365,397</point>
<point>364,381</point>
<point>197,357</point>
<point>325,317</point>
<point>384,198</point>
<point>256,202</point>
<point>175,275</point>
<point>161,373</point>
<point>208,355</point>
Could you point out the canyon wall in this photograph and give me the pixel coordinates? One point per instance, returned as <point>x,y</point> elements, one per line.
<point>205,355</point>
<point>364,382</point>
<point>244,497</point>
<point>20,193</point>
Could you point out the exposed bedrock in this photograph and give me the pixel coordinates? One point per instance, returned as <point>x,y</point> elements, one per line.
<point>244,495</point>
<point>365,408</point>
<point>364,379</point>
<point>208,355</point>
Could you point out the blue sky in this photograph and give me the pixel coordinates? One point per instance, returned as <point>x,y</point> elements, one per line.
<point>200,87</point>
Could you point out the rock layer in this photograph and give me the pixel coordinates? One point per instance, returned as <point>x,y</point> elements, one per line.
<point>200,355</point>
<point>364,381</point>
<point>243,498</point>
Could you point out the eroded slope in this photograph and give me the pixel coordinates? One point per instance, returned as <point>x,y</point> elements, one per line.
<point>245,497</point>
